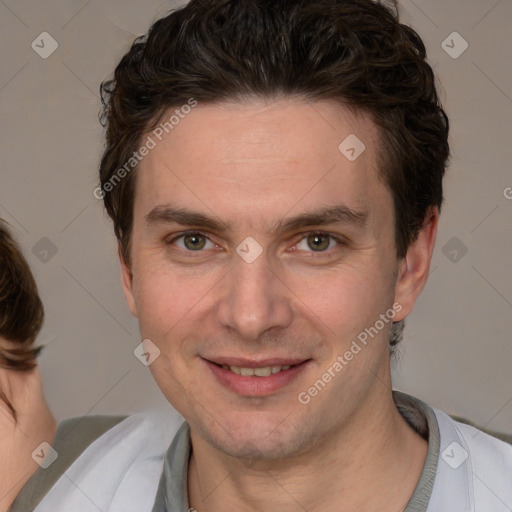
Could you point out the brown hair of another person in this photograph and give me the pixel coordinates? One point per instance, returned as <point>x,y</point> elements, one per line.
<point>21,309</point>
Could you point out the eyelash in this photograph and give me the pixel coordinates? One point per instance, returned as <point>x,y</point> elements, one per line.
<point>338,241</point>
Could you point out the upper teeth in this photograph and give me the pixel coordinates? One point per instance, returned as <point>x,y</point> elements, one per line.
<point>265,371</point>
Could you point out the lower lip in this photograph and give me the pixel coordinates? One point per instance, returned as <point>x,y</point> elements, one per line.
<point>256,386</point>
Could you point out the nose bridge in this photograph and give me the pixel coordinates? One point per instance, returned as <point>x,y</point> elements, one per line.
<point>255,300</point>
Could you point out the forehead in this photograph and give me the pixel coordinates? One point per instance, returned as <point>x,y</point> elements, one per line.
<point>256,158</point>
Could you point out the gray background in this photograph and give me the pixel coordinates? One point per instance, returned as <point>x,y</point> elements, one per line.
<point>457,352</point>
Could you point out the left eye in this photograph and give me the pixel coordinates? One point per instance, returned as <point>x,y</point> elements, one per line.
<point>317,242</point>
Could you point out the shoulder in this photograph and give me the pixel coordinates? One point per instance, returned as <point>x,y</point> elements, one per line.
<point>482,446</point>
<point>478,465</point>
<point>98,456</point>
<point>72,437</point>
<point>503,436</point>
<point>486,452</point>
<point>120,469</point>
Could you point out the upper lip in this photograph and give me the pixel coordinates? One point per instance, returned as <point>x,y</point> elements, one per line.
<point>253,363</point>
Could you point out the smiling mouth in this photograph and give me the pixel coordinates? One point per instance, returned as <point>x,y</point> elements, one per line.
<point>252,378</point>
<point>263,371</point>
<point>258,371</point>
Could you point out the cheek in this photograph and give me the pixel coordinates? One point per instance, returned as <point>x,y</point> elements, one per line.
<point>158,301</point>
<point>343,303</point>
<point>166,298</point>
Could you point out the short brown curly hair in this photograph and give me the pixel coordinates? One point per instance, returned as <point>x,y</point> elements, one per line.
<point>353,51</point>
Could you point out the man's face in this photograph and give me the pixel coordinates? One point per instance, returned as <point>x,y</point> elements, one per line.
<point>210,301</point>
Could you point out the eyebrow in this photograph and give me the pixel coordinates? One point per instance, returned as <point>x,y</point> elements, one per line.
<point>337,214</point>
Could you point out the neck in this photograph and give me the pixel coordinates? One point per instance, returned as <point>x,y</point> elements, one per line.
<point>18,438</point>
<point>372,464</point>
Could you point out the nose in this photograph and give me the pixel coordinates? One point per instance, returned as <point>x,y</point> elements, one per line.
<point>254,299</point>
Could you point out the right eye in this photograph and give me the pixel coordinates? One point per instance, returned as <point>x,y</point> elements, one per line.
<point>191,241</point>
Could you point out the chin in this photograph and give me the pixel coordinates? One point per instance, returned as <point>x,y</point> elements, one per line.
<point>257,438</point>
<point>254,448</point>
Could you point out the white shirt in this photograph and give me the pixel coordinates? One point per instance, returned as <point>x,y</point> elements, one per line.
<point>121,470</point>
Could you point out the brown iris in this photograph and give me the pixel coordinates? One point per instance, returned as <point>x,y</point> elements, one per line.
<point>194,241</point>
<point>318,241</point>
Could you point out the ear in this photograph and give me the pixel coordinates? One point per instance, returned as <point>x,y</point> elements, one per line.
<point>127,282</point>
<point>413,270</point>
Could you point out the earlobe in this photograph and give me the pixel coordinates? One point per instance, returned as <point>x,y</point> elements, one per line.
<point>127,282</point>
<point>414,268</point>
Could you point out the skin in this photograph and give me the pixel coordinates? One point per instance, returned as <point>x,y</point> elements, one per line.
<point>35,424</point>
<point>251,164</point>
